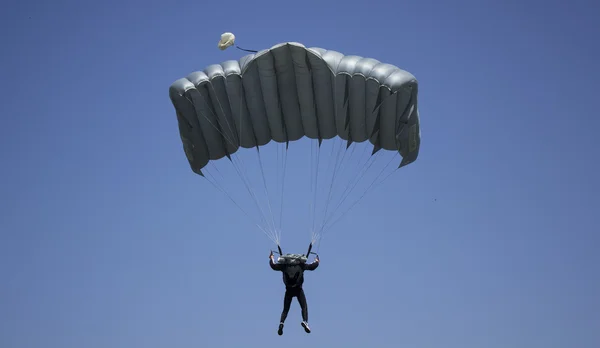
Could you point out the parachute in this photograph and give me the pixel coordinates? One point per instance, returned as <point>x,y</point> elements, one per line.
<point>227,40</point>
<point>289,93</point>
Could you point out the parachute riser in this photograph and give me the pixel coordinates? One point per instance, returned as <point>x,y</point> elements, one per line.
<point>279,252</point>
<point>309,251</point>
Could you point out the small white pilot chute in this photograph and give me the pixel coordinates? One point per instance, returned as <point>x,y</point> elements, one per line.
<point>227,39</point>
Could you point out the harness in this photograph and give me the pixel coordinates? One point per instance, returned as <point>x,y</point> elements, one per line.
<point>293,269</point>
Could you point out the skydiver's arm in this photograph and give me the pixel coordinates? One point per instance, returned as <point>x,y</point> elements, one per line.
<point>275,266</point>
<point>312,266</point>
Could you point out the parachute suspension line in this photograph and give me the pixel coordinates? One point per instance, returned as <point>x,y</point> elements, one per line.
<point>317,234</point>
<point>240,110</point>
<point>349,188</point>
<point>225,116</point>
<point>217,170</point>
<point>316,189</point>
<point>357,178</point>
<point>312,156</point>
<point>336,169</point>
<point>364,193</point>
<point>386,177</point>
<point>284,155</point>
<point>356,170</point>
<point>342,164</point>
<point>223,177</point>
<point>314,184</point>
<point>259,226</point>
<point>314,234</point>
<point>280,182</point>
<point>312,237</point>
<point>313,229</point>
<point>267,193</point>
<point>251,192</point>
<point>209,176</point>
<point>241,173</point>
<point>238,170</point>
<point>317,242</point>
<point>277,185</point>
<point>274,226</point>
<point>243,176</point>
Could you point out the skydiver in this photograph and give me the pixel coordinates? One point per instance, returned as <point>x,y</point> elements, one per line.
<point>293,278</point>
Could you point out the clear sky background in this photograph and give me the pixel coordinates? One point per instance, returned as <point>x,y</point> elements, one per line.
<point>490,239</point>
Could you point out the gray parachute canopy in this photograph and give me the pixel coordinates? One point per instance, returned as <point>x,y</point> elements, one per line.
<point>288,92</point>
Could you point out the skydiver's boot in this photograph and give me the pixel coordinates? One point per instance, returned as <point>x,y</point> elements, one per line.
<point>280,331</point>
<point>305,326</point>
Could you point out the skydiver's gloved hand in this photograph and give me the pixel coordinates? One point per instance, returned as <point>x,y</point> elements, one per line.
<point>271,255</point>
<point>317,258</point>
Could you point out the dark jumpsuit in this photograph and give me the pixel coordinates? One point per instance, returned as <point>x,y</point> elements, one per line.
<point>293,278</point>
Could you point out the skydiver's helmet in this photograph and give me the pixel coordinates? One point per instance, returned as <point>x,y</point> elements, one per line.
<point>292,259</point>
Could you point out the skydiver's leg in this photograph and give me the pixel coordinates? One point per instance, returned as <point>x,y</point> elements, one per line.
<point>287,302</point>
<point>304,306</point>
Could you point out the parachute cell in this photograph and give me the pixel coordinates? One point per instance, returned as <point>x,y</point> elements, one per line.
<point>288,92</point>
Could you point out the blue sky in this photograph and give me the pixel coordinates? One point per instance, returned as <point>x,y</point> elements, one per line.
<point>107,239</point>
